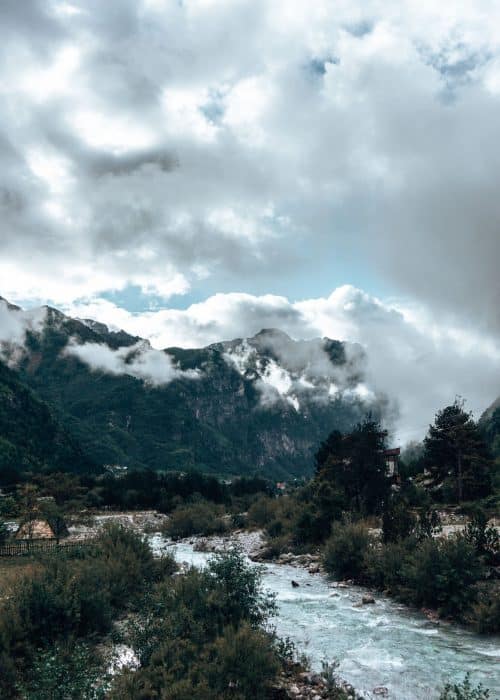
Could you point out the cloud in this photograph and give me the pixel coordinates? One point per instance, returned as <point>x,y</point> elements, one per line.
<point>154,367</point>
<point>418,363</point>
<point>302,372</point>
<point>146,144</point>
<point>14,325</point>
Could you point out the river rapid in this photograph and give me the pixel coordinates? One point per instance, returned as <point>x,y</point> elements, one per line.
<point>385,644</point>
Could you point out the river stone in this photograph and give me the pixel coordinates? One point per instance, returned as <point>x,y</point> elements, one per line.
<point>368,600</point>
<point>295,584</point>
<point>381,690</point>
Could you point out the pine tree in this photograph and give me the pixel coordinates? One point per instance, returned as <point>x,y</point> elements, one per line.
<point>355,464</point>
<point>455,452</point>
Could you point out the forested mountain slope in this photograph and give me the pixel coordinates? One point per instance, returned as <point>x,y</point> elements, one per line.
<point>264,403</point>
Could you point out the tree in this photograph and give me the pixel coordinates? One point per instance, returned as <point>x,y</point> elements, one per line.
<point>28,496</point>
<point>53,514</point>
<point>483,537</point>
<point>355,464</point>
<point>4,532</point>
<point>398,522</point>
<point>455,453</point>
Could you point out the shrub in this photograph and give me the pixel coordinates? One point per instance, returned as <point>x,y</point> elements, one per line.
<point>62,672</point>
<point>312,523</point>
<point>442,573</point>
<point>244,661</point>
<point>383,566</point>
<point>277,545</point>
<point>200,518</point>
<point>4,532</point>
<point>429,523</point>
<point>239,664</point>
<point>239,589</point>
<point>483,538</point>
<point>345,550</point>
<point>398,522</point>
<point>332,680</point>
<point>200,636</point>
<point>464,691</point>
<point>262,511</point>
<point>71,595</point>
<point>128,560</point>
<point>485,614</point>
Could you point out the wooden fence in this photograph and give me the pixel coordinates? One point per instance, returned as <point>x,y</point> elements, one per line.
<point>23,547</point>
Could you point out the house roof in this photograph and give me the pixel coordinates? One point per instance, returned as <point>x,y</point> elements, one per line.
<point>38,529</point>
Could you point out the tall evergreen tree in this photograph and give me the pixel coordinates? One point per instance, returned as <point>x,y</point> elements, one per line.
<point>355,463</point>
<point>455,453</point>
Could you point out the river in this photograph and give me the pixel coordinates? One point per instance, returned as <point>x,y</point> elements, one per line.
<point>385,644</point>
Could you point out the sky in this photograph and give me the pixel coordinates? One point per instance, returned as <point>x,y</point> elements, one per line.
<point>195,170</point>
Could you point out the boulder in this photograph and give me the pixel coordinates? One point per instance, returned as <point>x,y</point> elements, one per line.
<point>295,584</point>
<point>368,600</point>
<point>263,554</point>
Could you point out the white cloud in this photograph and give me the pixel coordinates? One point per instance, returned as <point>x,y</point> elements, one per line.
<point>14,325</point>
<point>418,361</point>
<point>140,361</point>
<point>368,128</point>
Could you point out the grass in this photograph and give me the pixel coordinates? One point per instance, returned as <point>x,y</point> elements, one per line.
<point>13,569</point>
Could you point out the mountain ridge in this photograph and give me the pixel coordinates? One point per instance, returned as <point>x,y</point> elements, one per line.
<point>261,404</point>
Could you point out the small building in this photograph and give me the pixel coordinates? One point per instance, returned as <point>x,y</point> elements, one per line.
<point>392,461</point>
<point>42,529</point>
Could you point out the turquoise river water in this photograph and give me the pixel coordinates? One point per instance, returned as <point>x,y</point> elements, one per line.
<point>385,644</point>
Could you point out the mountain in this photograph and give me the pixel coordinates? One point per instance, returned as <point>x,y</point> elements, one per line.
<point>31,438</point>
<point>257,404</point>
<point>490,426</point>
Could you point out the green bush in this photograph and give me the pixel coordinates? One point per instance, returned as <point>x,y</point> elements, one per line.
<point>345,550</point>
<point>485,613</point>
<point>238,664</point>
<point>442,574</point>
<point>262,511</point>
<point>128,561</point>
<point>398,522</point>
<point>483,538</point>
<point>242,664</point>
<point>200,636</point>
<point>199,518</point>
<point>72,594</point>
<point>64,672</point>
<point>237,589</point>
<point>464,691</point>
<point>383,566</point>
<point>331,679</point>
<point>4,532</point>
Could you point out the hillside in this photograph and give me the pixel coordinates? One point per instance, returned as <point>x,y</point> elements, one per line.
<point>490,425</point>
<point>30,437</point>
<point>262,403</point>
